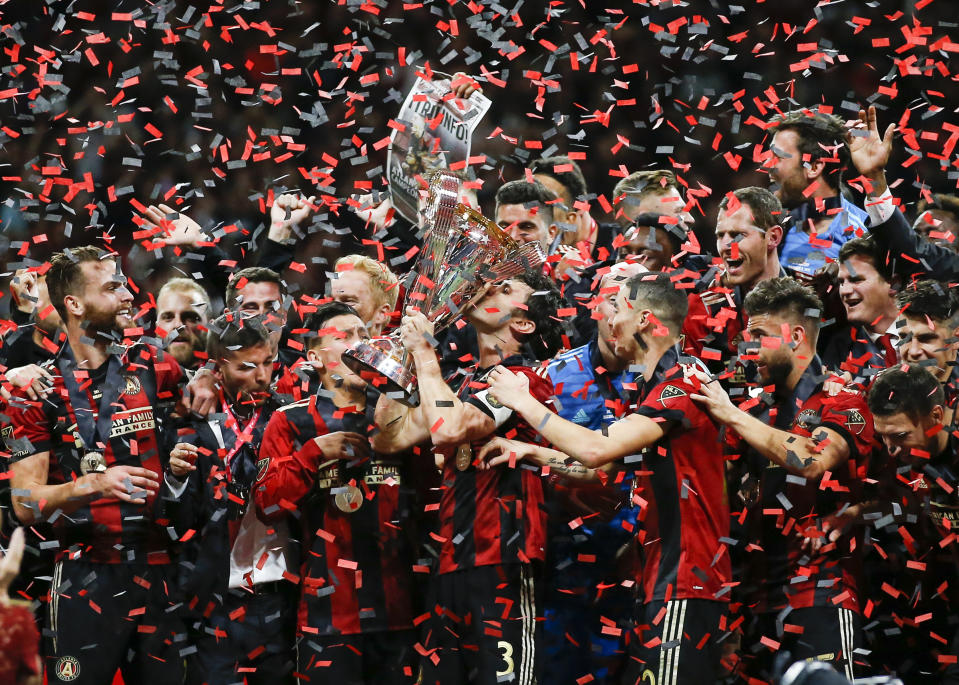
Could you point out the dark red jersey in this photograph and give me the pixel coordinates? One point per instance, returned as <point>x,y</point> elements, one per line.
<point>680,490</point>
<point>782,573</point>
<point>714,324</point>
<point>295,382</point>
<point>493,516</point>
<point>136,387</point>
<point>357,563</point>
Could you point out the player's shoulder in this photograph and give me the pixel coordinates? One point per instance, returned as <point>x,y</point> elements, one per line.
<point>294,407</point>
<point>567,357</point>
<point>540,371</point>
<point>847,399</point>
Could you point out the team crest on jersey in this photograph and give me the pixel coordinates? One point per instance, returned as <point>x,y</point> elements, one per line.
<point>67,668</point>
<point>131,385</point>
<point>261,466</point>
<point>807,419</point>
<point>855,422</point>
<point>670,392</point>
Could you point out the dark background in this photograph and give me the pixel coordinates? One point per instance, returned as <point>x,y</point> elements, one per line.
<point>318,82</point>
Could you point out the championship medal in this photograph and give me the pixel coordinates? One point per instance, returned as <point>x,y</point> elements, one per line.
<point>349,500</point>
<point>464,456</point>
<point>93,462</point>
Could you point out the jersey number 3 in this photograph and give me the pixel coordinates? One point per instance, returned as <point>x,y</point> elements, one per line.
<point>507,657</point>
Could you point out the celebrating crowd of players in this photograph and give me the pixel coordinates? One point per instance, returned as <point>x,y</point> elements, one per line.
<point>641,464</point>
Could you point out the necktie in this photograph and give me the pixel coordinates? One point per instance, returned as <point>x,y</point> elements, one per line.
<point>888,351</point>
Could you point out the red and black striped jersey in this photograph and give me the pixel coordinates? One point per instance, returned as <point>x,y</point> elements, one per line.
<point>493,516</point>
<point>680,490</point>
<point>781,572</point>
<point>356,574</point>
<point>106,530</point>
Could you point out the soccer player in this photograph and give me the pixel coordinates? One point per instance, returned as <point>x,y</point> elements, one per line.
<point>234,571</point>
<point>584,593</point>
<point>258,291</point>
<point>367,286</point>
<point>929,332</point>
<point>87,460</point>
<point>670,443</point>
<point>868,293</point>
<point>562,176</point>
<point>807,156</point>
<point>807,454</point>
<point>524,210</point>
<point>183,312</point>
<point>355,616</point>
<point>748,235</point>
<point>652,193</point>
<point>485,597</point>
<point>917,428</point>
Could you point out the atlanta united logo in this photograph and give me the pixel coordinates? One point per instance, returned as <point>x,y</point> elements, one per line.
<point>131,385</point>
<point>67,668</point>
<point>807,419</point>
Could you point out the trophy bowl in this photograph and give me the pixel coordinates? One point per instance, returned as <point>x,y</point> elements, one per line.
<point>384,361</point>
<point>462,252</point>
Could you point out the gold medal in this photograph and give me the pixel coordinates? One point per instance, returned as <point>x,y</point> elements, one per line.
<point>93,462</point>
<point>464,456</point>
<point>349,499</point>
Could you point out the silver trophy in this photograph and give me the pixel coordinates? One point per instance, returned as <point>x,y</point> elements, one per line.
<point>462,252</point>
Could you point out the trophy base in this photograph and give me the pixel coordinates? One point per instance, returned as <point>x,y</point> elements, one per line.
<point>383,359</point>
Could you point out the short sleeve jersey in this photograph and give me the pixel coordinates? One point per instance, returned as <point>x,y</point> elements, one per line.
<point>105,530</point>
<point>782,572</point>
<point>494,516</point>
<point>680,490</point>
<point>358,553</point>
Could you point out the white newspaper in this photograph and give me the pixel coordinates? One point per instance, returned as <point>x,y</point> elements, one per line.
<point>437,130</point>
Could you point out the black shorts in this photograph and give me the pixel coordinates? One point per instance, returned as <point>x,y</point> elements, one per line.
<point>679,641</point>
<point>484,626</point>
<point>383,658</point>
<point>826,634</point>
<point>104,617</point>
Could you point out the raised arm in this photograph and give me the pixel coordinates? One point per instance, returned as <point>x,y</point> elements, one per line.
<point>593,449</point>
<point>809,457</point>
<point>448,420</point>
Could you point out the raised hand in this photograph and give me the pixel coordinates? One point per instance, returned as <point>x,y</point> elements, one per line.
<point>183,459</point>
<point>179,229</point>
<point>508,388</point>
<point>870,152</point>
<point>343,445</point>
<point>25,289</point>
<point>416,331</point>
<point>289,210</point>
<point>200,394</point>
<point>463,85</point>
